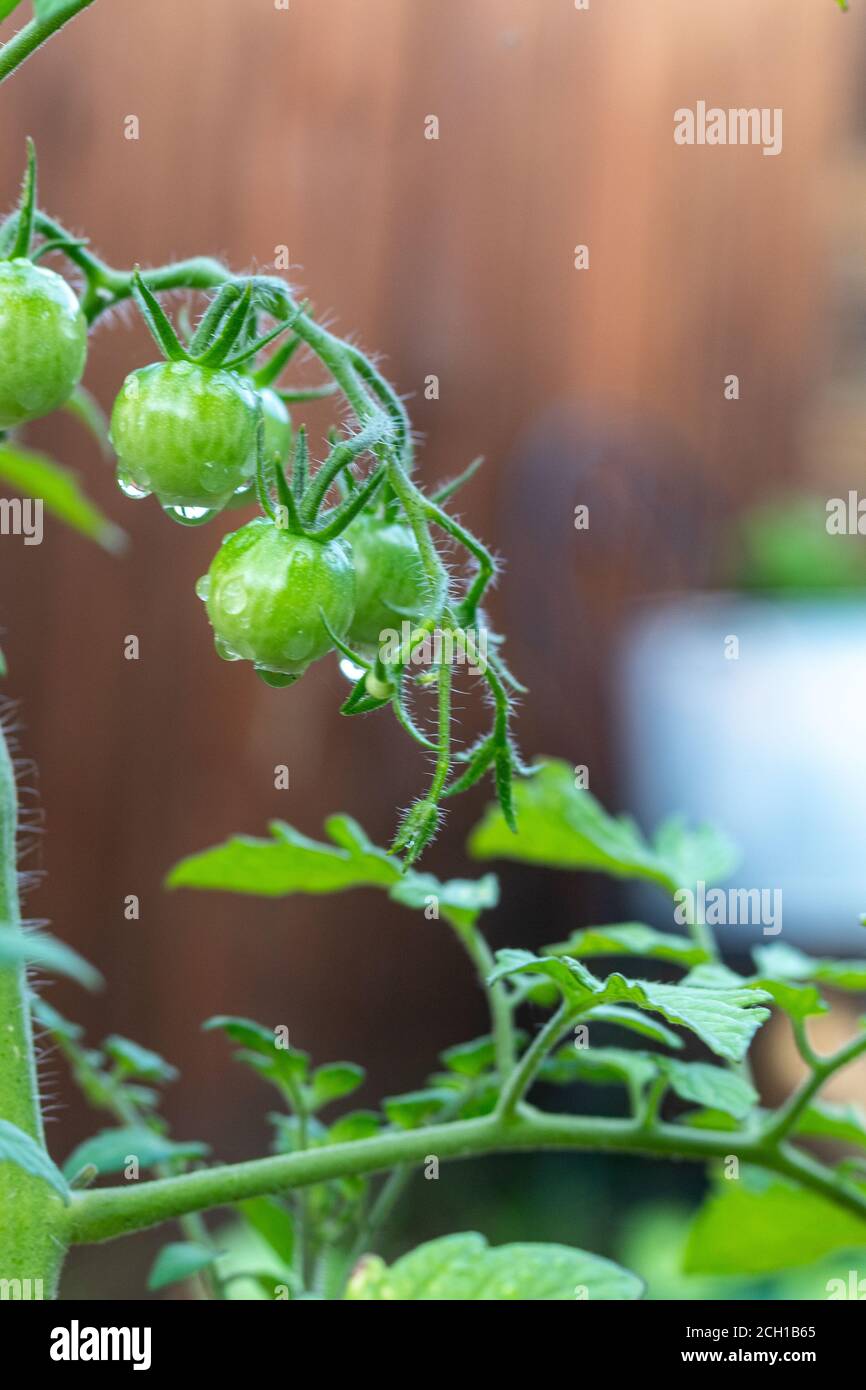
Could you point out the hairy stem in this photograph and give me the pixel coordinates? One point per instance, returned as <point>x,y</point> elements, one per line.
<point>30,1247</point>
<point>33,35</point>
<point>104,1213</point>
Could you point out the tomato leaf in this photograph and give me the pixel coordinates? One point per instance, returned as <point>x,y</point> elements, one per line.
<point>759,1224</point>
<point>35,948</point>
<point>112,1149</point>
<point>463,1268</point>
<point>632,939</point>
<point>40,477</point>
<point>565,827</point>
<point>290,862</point>
<point>177,1262</point>
<point>22,1150</point>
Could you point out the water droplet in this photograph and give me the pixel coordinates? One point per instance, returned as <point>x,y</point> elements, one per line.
<point>352,672</point>
<point>129,488</point>
<point>233,596</point>
<point>224,650</point>
<point>278,679</point>
<point>202,587</point>
<point>212,477</point>
<point>190,516</point>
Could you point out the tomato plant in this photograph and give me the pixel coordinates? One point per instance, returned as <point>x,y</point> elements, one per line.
<point>345,547</point>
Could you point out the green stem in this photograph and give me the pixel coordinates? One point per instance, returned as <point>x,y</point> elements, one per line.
<point>104,1213</point>
<point>33,35</point>
<point>498,1001</point>
<point>32,1246</point>
<point>523,1075</point>
<point>785,1119</point>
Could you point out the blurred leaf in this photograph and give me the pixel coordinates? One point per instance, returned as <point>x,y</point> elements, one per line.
<point>35,948</point>
<point>37,476</point>
<point>335,1080</point>
<point>22,1150</point>
<point>463,899</point>
<point>358,1124</point>
<point>416,1108</point>
<point>789,963</point>
<point>49,1017</point>
<point>138,1061</point>
<point>623,1017</point>
<point>825,1120</point>
<point>4,670</point>
<point>603,1066</point>
<point>712,1087</point>
<point>463,1268</point>
<point>284,1066</point>
<point>471,1059</point>
<point>798,1001</point>
<point>85,408</point>
<point>110,1150</point>
<point>759,1224</point>
<point>632,939</point>
<point>565,827</point>
<point>177,1262</point>
<point>273,1222</point>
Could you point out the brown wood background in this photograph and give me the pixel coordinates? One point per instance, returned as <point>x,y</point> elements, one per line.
<point>260,127</point>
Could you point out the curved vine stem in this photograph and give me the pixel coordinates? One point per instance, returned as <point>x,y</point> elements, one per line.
<point>23,44</point>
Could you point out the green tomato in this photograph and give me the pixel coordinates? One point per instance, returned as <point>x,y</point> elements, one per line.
<point>187,434</point>
<point>266,591</point>
<point>278,425</point>
<point>390,584</point>
<point>43,342</point>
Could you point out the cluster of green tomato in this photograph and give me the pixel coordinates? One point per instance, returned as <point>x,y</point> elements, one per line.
<point>192,432</point>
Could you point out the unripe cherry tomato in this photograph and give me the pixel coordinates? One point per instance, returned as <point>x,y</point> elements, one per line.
<point>186,433</point>
<point>265,592</point>
<point>389,578</point>
<point>43,342</point>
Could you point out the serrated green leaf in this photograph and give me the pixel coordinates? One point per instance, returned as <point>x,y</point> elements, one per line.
<point>757,1225</point>
<point>287,863</point>
<point>724,1017</point>
<point>37,476</point>
<point>36,948</point>
<point>463,1268</point>
<point>565,827</point>
<point>110,1151</point>
<point>632,939</point>
<point>725,1020</point>
<point>271,1220</point>
<point>711,1087</point>
<point>177,1262</point>
<point>335,1080</point>
<point>134,1060</point>
<point>22,1149</point>
<point>292,863</point>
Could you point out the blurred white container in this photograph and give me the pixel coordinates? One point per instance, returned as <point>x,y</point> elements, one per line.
<point>769,744</point>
